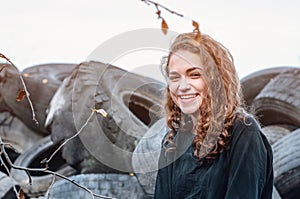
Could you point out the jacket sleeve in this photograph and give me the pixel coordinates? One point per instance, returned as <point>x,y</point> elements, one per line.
<point>250,172</point>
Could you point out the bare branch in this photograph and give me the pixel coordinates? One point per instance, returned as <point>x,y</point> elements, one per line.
<point>50,187</point>
<point>10,163</point>
<point>46,161</point>
<point>7,170</point>
<point>8,145</point>
<point>164,25</point>
<point>24,86</point>
<point>148,2</point>
<point>45,170</point>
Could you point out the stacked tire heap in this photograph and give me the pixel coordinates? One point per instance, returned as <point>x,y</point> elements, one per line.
<point>117,155</point>
<point>274,96</point>
<point>63,102</point>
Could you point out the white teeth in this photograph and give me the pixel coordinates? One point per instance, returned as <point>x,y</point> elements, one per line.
<point>187,96</point>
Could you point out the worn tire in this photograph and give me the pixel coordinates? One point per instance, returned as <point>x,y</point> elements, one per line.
<point>6,187</point>
<point>41,81</point>
<point>16,133</point>
<point>31,158</point>
<point>287,165</point>
<point>274,132</point>
<point>146,155</point>
<point>112,185</point>
<point>131,101</point>
<point>279,101</point>
<point>253,83</point>
<point>275,194</point>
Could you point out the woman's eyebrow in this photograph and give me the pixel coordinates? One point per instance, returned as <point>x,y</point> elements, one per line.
<point>187,71</point>
<point>192,69</point>
<point>173,73</point>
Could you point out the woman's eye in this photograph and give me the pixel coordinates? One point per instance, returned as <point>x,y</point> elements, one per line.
<point>174,78</point>
<point>195,75</point>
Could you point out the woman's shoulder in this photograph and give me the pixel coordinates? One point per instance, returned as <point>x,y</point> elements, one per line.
<point>246,122</point>
<point>246,129</point>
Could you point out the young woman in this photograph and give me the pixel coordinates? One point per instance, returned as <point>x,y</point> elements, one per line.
<point>214,149</point>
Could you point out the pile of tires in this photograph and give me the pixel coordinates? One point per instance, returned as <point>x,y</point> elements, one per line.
<point>273,95</point>
<point>128,133</point>
<point>27,143</point>
<point>133,103</point>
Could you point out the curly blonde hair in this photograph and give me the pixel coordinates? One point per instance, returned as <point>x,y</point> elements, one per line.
<point>221,104</point>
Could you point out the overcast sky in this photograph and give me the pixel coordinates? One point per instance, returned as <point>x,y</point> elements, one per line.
<point>259,33</point>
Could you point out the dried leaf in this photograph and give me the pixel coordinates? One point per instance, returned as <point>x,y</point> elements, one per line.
<point>45,81</point>
<point>21,194</point>
<point>21,95</point>
<point>197,31</point>
<point>196,25</point>
<point>26,74</point>
<point>198,37</point>
<point>158,13</point>
<point>164,27</point>
<point>101,111</point>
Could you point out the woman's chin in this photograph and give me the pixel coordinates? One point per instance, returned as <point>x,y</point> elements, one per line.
<point>189,110</point>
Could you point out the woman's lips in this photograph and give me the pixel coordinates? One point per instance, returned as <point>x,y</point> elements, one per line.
<point>188,98</point>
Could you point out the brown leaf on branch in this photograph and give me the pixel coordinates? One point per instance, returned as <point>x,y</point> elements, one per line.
<point>164,24</point>
<point>158,13</point>
<point>21,194</point>
<point>196,25</point>
<point>21,95</point>
<point>164,27</point>
<point>197,31</point>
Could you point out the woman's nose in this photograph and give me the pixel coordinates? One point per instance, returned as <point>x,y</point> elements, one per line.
<point>183,84</point>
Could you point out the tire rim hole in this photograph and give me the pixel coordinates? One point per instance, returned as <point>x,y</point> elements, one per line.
<point>143,109</point>
<point>55,164</point>
<point>12,156</point>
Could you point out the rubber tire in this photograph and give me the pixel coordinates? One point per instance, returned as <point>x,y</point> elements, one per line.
<point>40,93</point>
<point>253,83</point>
<point>128,98</point>
<point>146,155</point>
<point>113,185</point>
<point>16,133</point>
<point>275,194</point>
<point>119,101</point>
<point>30,159</point>
<point>274,133</point>
<point>279,101</point>
<point>286,164</point>
<point>6,186</point>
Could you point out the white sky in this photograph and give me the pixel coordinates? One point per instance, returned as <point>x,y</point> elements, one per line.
<point>259,33</point>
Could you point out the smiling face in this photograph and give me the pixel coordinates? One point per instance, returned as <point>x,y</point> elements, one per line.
<point>186,84</point>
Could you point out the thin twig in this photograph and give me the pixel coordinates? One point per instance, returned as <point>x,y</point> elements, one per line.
<point>46,161</point>
<point>50,187</point>
<point>45,170</point>
<point>164,24</point>
<point>148,2</point>
<point>7,170</point>
<point>24,86</point>
<point>8,145</point>
<point>10,163</point>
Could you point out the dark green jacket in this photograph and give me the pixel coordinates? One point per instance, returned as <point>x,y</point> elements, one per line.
<point>244,171</point>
